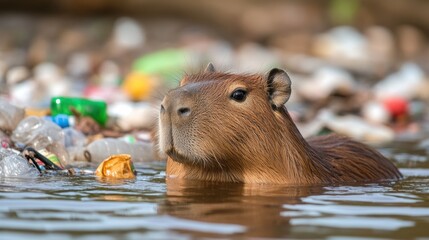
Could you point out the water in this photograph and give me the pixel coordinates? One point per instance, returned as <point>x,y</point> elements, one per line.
<point>58,207</point>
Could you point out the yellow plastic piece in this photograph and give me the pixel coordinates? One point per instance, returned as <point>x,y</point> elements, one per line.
<point>116,166</point>
<point>138,85</point>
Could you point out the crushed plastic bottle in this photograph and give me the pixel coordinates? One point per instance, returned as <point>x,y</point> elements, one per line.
<point>101,149</point>
<point>14,165</point>
<point>41,134</point>
<point>10,115</point>
<point>117,166</point>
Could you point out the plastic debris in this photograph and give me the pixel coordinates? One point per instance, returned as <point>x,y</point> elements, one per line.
<point>357,128</point>
<point>24,93</point>
<point>79,64</point>
<point>100,149</point>
<point>12,164</point>
<point>397,106</point>
<point>131,116</point>
<point>167,63</point>
<point>4,140</point>
<point>41,134</point>
<point>50,82</point>
<point>376,112</point>
<point>405,83</point>
<point>249,55</point>
<point>10,115</point>
<point>325,81</point>
<point>42,160</point>
<point>86,107</point>
<point>117,166</point>
<point>128,33</point>
<point>17,74</point>
<point>138,86</point>
<point>342,42</point>
<point>110,74</point>
<point>74,142</point>
<point>62,120</point>
<point>52,157</point>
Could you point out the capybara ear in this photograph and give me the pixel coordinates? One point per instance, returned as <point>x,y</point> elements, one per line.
<point>210,68</point>
<point>279,87</point>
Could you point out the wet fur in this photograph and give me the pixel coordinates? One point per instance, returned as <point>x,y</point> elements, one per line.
<point>256,143</point>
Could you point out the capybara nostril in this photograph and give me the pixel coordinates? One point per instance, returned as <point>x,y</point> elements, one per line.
<point>184,112</point>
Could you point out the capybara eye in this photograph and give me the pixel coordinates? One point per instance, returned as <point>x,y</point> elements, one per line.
<point>239,95</point>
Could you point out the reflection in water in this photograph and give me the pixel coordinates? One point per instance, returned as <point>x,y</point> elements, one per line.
<point>253,205</point>
<point>58,207</point>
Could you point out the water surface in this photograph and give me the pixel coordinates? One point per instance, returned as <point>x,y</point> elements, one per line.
<point>82,207</point>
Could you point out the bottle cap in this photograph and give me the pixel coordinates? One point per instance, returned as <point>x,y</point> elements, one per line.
<point>62,120</point>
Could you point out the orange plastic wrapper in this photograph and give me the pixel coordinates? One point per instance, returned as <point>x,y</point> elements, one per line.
<point>117,166</point>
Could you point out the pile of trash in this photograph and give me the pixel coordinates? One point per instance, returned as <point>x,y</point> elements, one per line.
<point>72,133</point>
<point>97,93</point>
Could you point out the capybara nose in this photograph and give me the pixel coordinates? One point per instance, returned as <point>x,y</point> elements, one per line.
<point>176,107</point>
<point>183,111</point>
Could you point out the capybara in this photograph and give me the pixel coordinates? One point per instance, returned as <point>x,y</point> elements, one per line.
<point>228,127</point>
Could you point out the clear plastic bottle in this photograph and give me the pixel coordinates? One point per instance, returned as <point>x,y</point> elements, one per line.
<point>95,109</point>
<point>10,115</point>
<point>75,142</point>
<point>101,149</point>
<point>14,165</point>
<point>41,134</point>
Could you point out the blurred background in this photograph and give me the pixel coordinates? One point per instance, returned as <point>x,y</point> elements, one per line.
<point>358,67</point>
<point>82,80</point>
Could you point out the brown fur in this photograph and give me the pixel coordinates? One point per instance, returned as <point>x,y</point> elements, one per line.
<point>254,141</point>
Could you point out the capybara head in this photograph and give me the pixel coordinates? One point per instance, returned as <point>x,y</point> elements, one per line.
<point>221,121</point>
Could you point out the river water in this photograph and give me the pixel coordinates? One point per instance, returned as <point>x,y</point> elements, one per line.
<point>83,207</point>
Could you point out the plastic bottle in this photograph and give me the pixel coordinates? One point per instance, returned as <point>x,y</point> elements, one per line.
<point>14,165</point>
<point>95,109</point>
<point>10,115</point>
<point>101,149</point>
<point>41,134</point>
<point>74,143</point>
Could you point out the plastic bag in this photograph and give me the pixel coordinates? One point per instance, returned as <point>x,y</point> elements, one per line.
<point>117,166</point>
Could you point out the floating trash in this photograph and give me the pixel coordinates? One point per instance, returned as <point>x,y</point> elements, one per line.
<point>117,166</point>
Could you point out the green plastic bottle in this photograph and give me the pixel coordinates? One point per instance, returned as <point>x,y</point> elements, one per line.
<point>91,108</point>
